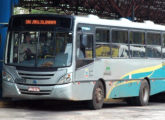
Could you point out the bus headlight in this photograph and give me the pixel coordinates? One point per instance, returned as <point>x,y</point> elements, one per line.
<point>65,79</point>
<point>7,77</point>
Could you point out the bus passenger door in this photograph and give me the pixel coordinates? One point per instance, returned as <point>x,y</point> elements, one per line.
<point>84,57</point>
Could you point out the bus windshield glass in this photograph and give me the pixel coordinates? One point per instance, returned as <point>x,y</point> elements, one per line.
<point>40,49</point>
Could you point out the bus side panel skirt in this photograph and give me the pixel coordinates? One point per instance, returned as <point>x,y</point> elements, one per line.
<point>122,89</point>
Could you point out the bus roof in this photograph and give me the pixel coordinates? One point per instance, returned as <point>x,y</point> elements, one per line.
<point>92,19</point>
<point>123,22</point>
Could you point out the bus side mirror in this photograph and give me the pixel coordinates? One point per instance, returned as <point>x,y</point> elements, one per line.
<point>84,40</point>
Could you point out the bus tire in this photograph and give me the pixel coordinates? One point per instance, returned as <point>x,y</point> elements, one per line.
<point>97,97</point>
<point>144,93</point>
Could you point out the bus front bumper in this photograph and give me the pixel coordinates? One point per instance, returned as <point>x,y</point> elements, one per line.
<point>13,90</point>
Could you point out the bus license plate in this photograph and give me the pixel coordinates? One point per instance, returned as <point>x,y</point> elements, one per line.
<point>34,89</point>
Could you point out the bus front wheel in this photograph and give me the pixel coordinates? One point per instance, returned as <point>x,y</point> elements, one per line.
<point>97,97</point>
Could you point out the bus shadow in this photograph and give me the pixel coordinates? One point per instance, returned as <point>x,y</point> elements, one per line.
<point>160,98</point>
<point>48,105</point>
<point>58,106</point>
<point>52,105</point>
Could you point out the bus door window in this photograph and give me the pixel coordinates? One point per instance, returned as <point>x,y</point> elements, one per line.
<point>120,44</point>
<point>85,46</point>
<point>153,48</point>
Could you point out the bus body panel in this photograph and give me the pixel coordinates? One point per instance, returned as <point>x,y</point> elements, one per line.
<point>131,72</point>
<point>35,78</point>
<point>73,91</point>
<point>122,76</point>
<point>52,92</point>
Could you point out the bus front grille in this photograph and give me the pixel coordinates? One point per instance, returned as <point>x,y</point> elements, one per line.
<point>35,76</point>
<point>42,92</point>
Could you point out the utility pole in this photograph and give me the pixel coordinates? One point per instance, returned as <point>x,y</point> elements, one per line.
<point>77,5</point>
<point>133,10</point>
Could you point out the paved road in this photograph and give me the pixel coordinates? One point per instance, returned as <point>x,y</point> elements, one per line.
<point>50,110</point>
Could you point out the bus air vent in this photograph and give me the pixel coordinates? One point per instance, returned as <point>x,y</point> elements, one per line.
<point>42,92</point>
<point>36,76</point>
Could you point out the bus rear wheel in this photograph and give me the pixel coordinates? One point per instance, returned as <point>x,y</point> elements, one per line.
<point>144,93</point>
<point>97,97</point>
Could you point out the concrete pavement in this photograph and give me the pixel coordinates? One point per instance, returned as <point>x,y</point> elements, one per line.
<point>50,110</point>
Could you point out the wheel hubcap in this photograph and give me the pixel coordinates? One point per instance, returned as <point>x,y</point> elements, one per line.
<point>145,94</point>
<point>99,95</point>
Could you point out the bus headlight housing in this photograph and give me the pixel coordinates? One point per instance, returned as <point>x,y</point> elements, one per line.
<point>65,79</point>
<point>6,76</point>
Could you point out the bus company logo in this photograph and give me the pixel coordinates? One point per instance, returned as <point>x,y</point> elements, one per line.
<point>34,81</point>
<point>86,73</point>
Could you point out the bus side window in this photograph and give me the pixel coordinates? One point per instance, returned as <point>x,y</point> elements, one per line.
<point>137,44</point>
<point>120,44</point>
<point>102,43</point>
<point>85,47</point>
<point>153,49</point>
<point>163,49</point>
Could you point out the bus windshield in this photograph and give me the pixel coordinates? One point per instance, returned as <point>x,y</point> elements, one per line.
<point>40,49</point>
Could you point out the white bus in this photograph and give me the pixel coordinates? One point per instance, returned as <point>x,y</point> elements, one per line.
<point>83,59</point>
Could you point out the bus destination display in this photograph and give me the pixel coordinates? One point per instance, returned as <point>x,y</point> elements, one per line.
<point>40,22</point>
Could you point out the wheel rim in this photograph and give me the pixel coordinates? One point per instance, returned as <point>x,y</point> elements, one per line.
<point>145,94</point>
<point>99,94</point>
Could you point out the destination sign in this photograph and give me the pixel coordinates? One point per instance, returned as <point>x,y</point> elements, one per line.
<point>40,22</point>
